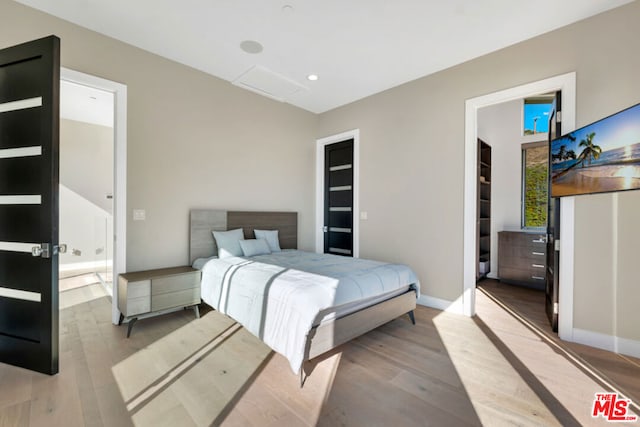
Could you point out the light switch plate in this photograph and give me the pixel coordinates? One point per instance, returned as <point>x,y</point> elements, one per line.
<point>139,215</point>
<point>364,215</point>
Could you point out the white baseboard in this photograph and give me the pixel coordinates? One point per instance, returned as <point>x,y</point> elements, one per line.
<point>441,304</point>
<point>607,342</point>
<point>84,265</point>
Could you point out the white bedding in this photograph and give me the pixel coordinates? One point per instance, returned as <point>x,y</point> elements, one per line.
<point>280,304</point>
<point>277,305</point>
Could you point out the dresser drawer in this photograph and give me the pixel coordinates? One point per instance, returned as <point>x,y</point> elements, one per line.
<point>138,306</point>
<point>529,275</point>
<point>523,263</point>
<point>532,253</point>
<point>139,289</point>
<point>175,299</point>
<point>162,285</point>
<point>522,239</point>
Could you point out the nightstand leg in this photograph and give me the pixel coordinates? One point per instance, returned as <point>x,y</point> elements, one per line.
<point>131,322</point>
<point>412,317</point>
<point>196,309</point>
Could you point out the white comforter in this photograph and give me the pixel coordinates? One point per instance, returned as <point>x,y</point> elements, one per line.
<point>281,296</point>
<point>276,304</point>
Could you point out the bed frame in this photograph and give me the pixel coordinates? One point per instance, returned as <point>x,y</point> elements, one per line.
<point>326,336</point>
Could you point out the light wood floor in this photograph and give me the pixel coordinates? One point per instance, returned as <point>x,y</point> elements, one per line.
<point>73,281</point>
<point>447,370</point>
<point>621,371</point>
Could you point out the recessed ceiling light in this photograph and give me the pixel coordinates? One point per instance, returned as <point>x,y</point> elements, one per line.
<point>251,46</point>
<point>312,77</point>
<point>287,9</point>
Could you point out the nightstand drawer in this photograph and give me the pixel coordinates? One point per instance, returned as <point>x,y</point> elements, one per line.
<point>138,305</point>
<point>176,299</point>
<point>163,285</point>
<point>139,289</point>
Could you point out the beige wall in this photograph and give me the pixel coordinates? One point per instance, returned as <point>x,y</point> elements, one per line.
<point>86,161</point>
<point>412,142</point>
<point>607,288</point>
<point>626,284</point>
<point>193,140</point>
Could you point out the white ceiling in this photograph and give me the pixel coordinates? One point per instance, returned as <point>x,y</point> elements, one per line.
<point>357,47</point>
<point>86,104</point>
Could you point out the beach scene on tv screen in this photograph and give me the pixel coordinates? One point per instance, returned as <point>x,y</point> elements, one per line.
<point>601,157</point>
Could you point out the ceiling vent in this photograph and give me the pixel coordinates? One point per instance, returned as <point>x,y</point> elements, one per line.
<point>265,82</point>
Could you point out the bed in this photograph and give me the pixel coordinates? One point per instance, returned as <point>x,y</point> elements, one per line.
<point>342,306</point>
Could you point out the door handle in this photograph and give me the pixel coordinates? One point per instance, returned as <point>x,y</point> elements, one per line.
<point>44,252</point>
<point>41,251</point>
<point>325,228</point>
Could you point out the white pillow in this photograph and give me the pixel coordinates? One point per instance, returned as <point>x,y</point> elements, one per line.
<point>228,242</point>
<point>271,236</point>
<point>252,247</point>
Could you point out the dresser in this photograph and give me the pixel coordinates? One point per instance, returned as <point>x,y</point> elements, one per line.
<point>147,293</point>
<point>522,258</point>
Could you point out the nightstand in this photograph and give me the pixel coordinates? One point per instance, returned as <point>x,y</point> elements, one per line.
<point>143,294</point>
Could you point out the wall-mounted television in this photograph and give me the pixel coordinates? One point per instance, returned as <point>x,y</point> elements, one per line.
<point>601,157</point>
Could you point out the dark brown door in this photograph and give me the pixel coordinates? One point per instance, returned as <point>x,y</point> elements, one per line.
<point>338,198</point>
<point>29,120</point>
<point>553,226</point>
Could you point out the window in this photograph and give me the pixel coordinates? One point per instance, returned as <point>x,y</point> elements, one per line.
<point>535,184</point>
<point>536,114</point>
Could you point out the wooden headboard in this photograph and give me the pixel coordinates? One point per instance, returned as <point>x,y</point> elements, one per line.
<point>203,221</point>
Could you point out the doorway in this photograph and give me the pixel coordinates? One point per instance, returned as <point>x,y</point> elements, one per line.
<point>112,234</point>
<point>513,220</point>
<point>86,193</point>
<point>566,84</point>
<point>337,194</point>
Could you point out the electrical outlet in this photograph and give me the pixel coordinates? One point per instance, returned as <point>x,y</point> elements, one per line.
<point>139,215</point>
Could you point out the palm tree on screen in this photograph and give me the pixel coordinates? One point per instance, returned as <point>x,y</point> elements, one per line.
<point>561,155</point>
<point>590,151</point>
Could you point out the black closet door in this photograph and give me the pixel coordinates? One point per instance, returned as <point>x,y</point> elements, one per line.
<point>553,227</point>
<point>338,198</point>
<point>29,120</point>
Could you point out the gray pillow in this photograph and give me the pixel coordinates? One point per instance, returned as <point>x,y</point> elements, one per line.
<point>228,242</point>
<point>271,236</point>
<point>252,247</point>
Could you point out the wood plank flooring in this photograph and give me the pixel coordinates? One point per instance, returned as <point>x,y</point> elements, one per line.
<point>620,370</point>
<point>179,371</point>
<point>74,281</point>
<point>80,295</point>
